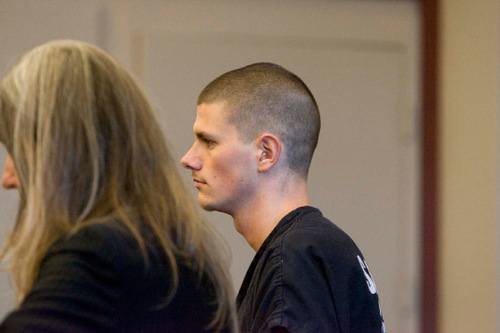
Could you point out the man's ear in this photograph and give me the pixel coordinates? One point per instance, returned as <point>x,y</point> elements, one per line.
<point>269,148</point>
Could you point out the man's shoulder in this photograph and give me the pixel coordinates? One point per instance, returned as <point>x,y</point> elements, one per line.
<point>312,229</point>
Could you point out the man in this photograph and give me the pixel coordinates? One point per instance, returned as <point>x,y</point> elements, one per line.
<point>255,133</point>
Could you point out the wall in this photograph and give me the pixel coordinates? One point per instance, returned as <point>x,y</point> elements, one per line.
<point>469,165</point>
<point>360,59</point>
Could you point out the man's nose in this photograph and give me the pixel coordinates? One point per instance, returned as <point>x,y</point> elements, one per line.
<point>190,160</point>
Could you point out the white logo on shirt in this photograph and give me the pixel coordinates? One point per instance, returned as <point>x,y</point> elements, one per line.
<point>371,286</point>
<point>368,276</point>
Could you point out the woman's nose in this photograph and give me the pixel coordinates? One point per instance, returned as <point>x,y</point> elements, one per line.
<point>9,177</point>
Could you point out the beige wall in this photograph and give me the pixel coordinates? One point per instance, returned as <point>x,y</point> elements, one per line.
<point>469,165</point>
<point>360,58</point>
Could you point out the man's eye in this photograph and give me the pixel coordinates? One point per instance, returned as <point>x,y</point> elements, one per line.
<point>209,143</point>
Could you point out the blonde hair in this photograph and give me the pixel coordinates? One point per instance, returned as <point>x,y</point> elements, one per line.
<point>88,149</point>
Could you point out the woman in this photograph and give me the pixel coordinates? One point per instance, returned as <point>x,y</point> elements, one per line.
<point>106,239</point>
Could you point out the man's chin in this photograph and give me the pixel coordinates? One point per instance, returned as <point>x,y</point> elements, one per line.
<point>210,205</point>
<point>206,205</point>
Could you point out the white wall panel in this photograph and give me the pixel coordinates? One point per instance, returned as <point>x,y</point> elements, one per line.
<point>359,59</point>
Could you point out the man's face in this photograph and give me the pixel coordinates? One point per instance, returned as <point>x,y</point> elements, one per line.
<point>9,177</point>
<point>224,168</point>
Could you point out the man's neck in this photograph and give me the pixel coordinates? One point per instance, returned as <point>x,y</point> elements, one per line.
<point>260,216</point>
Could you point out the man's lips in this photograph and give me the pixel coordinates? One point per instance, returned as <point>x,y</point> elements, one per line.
<point>198,182</point>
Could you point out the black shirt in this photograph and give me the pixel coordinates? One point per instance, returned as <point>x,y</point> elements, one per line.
<point>309,276</point>
<point>97,280</point>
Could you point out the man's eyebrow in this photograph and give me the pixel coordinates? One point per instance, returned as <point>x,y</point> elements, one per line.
<point>201,135</point>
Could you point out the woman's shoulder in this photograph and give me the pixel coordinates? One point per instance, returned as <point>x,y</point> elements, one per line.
<point>110,237</point>
<point>109,244</point>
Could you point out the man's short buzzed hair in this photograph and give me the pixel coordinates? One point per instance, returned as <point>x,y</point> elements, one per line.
<point>265,97</point>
